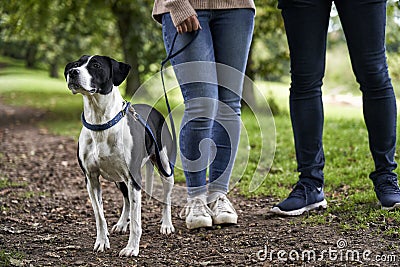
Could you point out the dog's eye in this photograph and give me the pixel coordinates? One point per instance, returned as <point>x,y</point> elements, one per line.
<point>75,65</point>
<point>96,65</point>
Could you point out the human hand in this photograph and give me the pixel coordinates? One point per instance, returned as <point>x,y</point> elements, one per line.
<point>188,25</point>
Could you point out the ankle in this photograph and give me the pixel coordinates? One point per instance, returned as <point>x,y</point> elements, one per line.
<point>202,197</point>
<point>213,196</point>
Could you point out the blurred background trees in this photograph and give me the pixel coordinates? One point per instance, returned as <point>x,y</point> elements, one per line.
<point>49,33</point>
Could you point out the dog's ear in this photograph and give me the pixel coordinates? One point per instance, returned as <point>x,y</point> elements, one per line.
<point>120,71</point>
<point>67,68</point>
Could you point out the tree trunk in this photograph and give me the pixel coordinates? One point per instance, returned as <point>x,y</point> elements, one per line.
<point>54,69</point>
<point>30,56</point>
<point>133,80</point>
<point>129,30</point>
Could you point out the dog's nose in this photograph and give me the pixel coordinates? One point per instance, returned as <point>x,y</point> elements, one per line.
<point>73,73</point>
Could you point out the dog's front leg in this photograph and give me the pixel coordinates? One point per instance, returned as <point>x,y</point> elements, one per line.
<point>94,190</point>
<point>166,221</point>
<point>135,226</point>
<point>168,183</point>
<point>123,222</point>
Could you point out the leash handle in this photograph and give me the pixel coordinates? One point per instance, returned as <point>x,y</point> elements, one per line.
<point>171,55</point>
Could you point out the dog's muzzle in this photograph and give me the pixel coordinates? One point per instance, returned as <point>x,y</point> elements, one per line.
<point>75,83</point>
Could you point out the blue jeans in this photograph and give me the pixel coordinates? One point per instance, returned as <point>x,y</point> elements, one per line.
<point>210,127</point>
<point>363,22</point>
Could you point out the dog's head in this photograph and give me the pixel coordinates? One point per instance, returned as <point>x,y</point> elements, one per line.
<point>95,74</point>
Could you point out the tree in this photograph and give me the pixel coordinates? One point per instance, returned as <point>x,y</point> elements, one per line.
<point>53,32</point>
<point>270,50</point>
<point>268,57</point>
<point>49,33</point>
<point>141,39</point>
<point>15,17</point>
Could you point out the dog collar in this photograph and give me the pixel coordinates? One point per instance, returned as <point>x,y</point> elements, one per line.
<point>107,125</point>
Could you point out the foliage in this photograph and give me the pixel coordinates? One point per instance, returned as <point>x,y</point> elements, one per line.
<point>42,31</point>
<point>48,34</point>
<point>54,32</point>
<point>141,39</point>
<point>393,27</point>
<point>269,58</point>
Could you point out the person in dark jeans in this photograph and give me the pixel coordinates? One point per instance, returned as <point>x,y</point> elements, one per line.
<point>363,21</point>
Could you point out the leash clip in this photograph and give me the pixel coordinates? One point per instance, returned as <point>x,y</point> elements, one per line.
<point>125,109</point>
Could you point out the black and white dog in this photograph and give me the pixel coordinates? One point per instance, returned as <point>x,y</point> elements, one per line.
<point>114,145</point>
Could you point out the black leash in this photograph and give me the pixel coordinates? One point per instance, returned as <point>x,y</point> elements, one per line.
<point>170,55</point>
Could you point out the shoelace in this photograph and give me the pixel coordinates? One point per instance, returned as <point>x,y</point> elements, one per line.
<point>224,205</point>
<point>301,189</point>
<point>198,207</point>
<point>388,186</point>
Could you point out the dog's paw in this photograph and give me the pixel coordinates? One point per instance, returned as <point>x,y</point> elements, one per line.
<point>101,244</point>
<point>120,228</point>
<point>167,229</point>
<point>129,252</point>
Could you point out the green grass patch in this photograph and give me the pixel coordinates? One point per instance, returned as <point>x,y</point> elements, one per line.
<point>349,191</point>
<point>7,183</point>
<point>33,88</point>
<point>13,258</point>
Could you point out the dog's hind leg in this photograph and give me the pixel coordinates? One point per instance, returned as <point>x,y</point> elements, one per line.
<point>123,222</point>
<point>149,179</point>
<point>168,184</point>
<point>135,224</point>
<point>94,189</point>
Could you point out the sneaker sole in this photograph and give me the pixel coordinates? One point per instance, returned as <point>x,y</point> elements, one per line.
<point>394,207</point>
<point>323,204</point>
<point>199,224</point>
<point>225,220</point>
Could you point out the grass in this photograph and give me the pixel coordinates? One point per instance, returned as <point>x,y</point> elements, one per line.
<point>33,88</point>
<point>352,201</point>
<point>6,183</point>
<point>13,258</point>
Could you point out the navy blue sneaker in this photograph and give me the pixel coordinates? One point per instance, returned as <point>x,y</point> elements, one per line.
<point>388,192</point>
<point>304,197</point>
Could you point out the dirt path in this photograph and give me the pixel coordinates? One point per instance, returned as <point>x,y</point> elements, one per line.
<point>45,214</point>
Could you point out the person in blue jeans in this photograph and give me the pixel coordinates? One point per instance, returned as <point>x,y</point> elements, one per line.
<point>210,127</point>
<point>363,21</point>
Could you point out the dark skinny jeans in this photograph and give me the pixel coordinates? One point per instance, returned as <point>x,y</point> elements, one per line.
<point>363,22</point>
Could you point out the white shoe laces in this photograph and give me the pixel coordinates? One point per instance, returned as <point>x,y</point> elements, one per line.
<point>222,204</point>
<point>197,207</point>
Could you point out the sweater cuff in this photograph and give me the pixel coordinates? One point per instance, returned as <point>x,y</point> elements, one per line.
<point>179,10</point>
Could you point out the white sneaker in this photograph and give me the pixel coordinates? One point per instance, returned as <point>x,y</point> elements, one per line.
<point>197,213</point>
<point>223,211</point>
